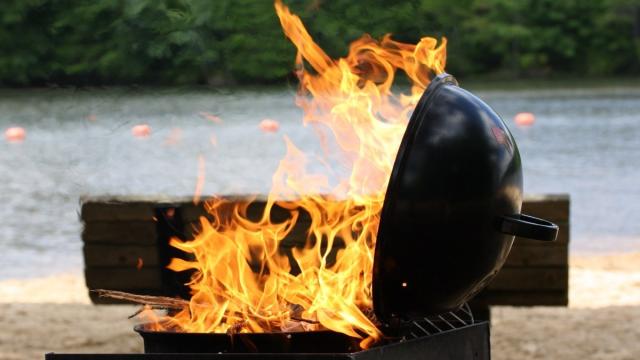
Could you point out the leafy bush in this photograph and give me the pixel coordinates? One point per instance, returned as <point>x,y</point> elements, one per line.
<point>224,41</point>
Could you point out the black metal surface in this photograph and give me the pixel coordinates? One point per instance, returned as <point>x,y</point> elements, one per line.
<point>325,341</point>
<point>293,342</point>
<point>456,177</point>
<point>468,342</point>
<point>529,227</point>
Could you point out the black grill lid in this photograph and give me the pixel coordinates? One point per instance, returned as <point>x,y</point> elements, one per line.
<point>452,207</point>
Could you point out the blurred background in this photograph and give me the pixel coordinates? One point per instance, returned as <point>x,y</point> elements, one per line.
<point>199,76</point>
<point>123,97</point>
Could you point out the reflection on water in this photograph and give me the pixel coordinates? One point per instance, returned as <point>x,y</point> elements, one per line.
<point>586,143</point>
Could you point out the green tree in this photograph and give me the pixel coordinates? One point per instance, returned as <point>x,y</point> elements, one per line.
<point>224,41</point>
<point>25,44</point>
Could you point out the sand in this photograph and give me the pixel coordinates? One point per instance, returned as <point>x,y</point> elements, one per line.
<point>602,321</point>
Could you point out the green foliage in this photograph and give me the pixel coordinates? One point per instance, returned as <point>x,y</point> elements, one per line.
<point>222,41</point>
<point>24,41</point>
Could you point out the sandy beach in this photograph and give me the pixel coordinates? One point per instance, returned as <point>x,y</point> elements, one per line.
<point>54,314</point>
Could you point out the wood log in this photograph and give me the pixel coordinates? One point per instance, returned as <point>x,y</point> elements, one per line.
<point>101,300</point>
<point>154,301</point>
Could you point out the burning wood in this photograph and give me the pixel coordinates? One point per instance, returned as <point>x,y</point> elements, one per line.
<point>241,275</point>
<point>151,302</point>
<point>160,302</point>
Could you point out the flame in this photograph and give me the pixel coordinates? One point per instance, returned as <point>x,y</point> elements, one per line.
<point>243,281</point>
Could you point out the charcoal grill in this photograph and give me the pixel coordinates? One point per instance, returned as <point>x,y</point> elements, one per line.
<point>452,206</point>
<point>454,335</point>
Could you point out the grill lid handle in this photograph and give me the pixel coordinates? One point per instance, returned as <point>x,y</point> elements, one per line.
<point>527,226</point>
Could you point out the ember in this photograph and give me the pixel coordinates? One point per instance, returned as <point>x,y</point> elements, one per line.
<point>242,283</point>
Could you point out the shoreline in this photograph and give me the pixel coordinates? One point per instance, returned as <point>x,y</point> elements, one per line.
<point>476,82</point>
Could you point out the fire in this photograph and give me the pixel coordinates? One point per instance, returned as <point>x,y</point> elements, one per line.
<point>243,281</point>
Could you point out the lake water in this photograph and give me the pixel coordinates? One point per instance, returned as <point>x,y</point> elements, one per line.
<point>584,142</point>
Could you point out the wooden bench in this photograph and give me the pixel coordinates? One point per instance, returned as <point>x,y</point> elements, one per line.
<point>125,248</point>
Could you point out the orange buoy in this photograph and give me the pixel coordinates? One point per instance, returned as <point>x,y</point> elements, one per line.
<point>15,134</point>
<point>269,125</point>
<point>141,130</point>
<point>524,119</point>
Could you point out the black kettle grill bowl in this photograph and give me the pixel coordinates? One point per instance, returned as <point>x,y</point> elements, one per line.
<point>452,207</point>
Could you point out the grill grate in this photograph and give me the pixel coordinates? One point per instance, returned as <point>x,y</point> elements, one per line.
<point>436,324</point>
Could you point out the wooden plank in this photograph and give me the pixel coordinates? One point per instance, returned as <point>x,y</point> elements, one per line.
<point>111,255</point>
<point>531,279</point>
<point>555,208</point>
<point>120,232</point>
<point>547,207</point>
<point>123,278</point>
<point>297,236</point>
<point>192,213</point>
<point>537,256</point>
<point>105,208</point>
<point>552,207</point>
<point>112,211</point>
<point>521,298</point>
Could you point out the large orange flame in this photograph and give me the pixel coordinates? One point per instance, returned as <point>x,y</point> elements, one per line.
<point>242,280</point>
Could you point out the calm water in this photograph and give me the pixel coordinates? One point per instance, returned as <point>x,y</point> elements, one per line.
<point>585,143</point>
